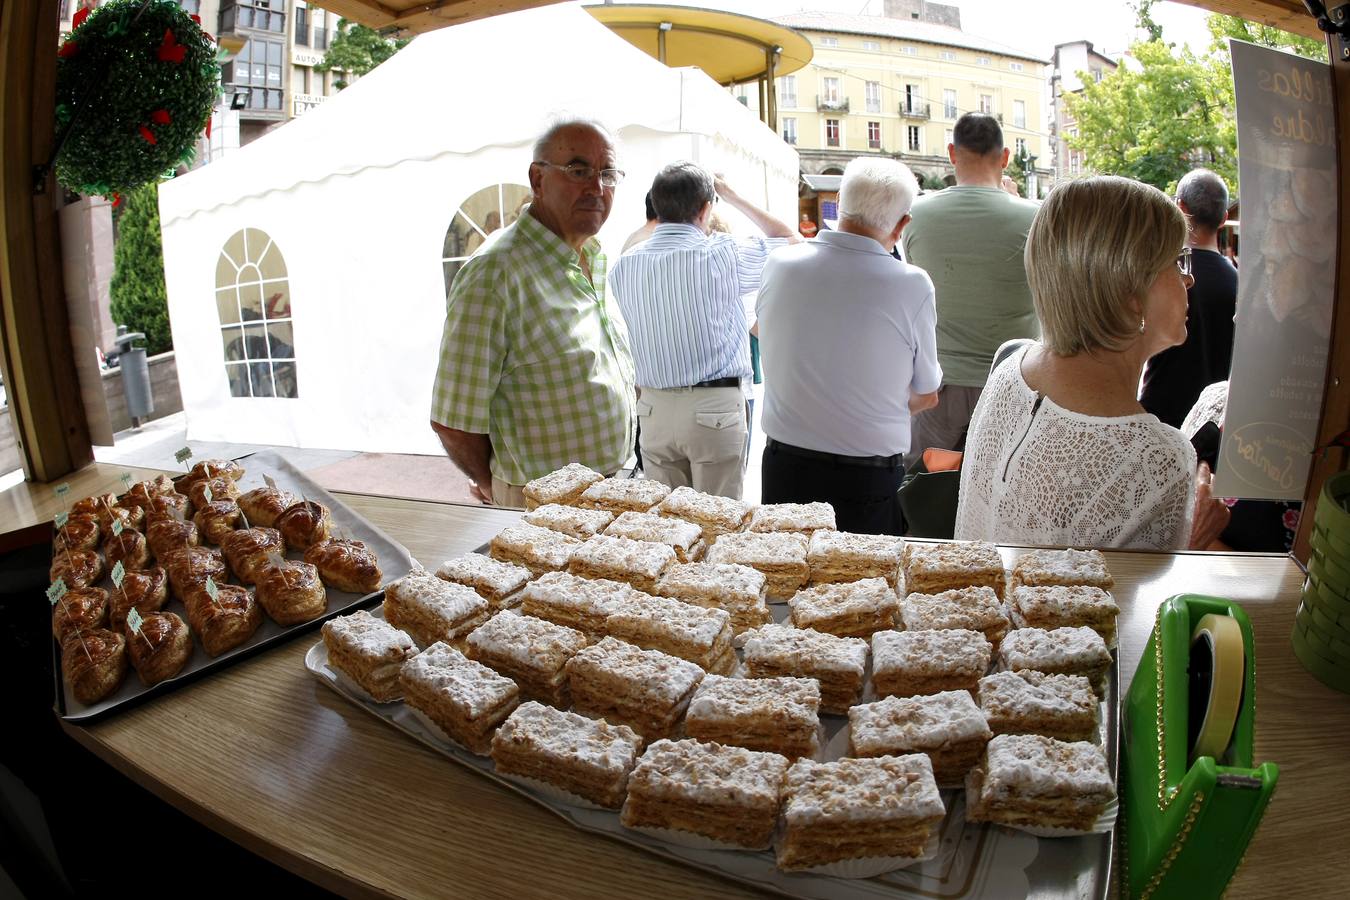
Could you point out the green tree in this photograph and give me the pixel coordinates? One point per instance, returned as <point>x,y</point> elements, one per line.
<point>1157,121</point>
<point>139,298</point>
<point>1224,27</point>
<point>356,50</point>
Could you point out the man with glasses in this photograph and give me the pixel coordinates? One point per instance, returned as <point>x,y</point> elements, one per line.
<point>535,370</point>
<point>680,292</point>
<point>1176,376</point>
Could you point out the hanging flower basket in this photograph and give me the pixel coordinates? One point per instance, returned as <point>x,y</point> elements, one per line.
<point>136,81</point>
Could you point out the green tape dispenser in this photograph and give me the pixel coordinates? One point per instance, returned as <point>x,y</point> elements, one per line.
<point>1193,798</point>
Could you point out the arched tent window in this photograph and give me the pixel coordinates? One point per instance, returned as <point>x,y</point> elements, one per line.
<point>253,299</point>
<point>486,210</point>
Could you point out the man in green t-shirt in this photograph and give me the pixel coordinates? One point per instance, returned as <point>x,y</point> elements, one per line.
<point>970,238</point>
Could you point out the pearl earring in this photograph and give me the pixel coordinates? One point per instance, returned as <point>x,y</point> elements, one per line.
<point>1141,326</point>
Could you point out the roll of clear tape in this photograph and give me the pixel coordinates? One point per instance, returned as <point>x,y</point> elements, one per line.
<point>1218,665</point>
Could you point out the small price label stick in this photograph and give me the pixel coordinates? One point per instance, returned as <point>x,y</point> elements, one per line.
<point>207,496</point>
<point>57,594</point>
<point>270,482</point>
<point>119,574</point>
<point>278,562</point>
<point>135,621</point>
<point>118,528</point>
<point>213,592</point>
<point>61,519</point>
<point>62,492</point>
<point>126,481</point>
<point>243,518</point>
<point>183,455</point>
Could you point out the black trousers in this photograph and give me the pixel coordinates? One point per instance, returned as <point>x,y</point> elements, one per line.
<point>863,497</point>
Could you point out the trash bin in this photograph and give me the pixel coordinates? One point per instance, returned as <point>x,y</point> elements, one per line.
<point>135,375</point>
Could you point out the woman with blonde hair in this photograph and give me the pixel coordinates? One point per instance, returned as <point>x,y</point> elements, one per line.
<point>1060,453</point>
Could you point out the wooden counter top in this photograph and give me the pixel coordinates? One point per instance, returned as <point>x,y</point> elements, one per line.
<point>270,758</point>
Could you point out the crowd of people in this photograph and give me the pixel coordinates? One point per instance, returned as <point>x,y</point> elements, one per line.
<point>1014,331</point>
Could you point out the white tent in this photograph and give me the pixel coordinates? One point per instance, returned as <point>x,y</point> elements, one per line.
<point>324,238</point>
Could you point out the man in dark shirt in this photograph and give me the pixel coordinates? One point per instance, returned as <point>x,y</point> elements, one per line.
<point>1175,377</point>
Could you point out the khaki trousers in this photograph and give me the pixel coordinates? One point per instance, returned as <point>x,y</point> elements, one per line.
<point>505,494</point>
<point>694,437</point>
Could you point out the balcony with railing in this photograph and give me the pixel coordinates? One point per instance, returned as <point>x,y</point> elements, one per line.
<point>831,104</point>
<point>915,110</point>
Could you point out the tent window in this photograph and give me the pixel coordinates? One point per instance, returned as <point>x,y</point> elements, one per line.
<point>253,300</point>
<point>486,210</point>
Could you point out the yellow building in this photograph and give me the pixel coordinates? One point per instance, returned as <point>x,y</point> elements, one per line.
<point>894,85</point>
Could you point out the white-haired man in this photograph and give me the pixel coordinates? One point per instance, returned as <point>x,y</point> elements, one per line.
<point>848,338</point>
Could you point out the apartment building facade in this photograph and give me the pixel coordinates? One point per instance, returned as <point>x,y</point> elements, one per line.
<point>895,84</point>
<point>1071,64</point>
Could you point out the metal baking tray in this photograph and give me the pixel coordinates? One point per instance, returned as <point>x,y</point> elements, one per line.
<point>395,562</point>
<point>974,859</point>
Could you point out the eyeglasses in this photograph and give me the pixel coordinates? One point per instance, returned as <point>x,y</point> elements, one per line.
<point>1184,261</point>
<point>582,173</point>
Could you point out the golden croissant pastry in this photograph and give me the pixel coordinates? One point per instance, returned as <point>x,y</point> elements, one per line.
<point>217,519</point>
<point>129,548</point>
<point>142,493</point>
<point>79,533</point>
<point>216,468</point>
<point>221,489</point>
<point>263,505</point>
<point>225,622</point>
<point>94,663</point>
<point>190,567</point>
<point>304,524</point>
<point>167,536</point>
<point>146,592</point>
<point>346,565</point>
<point>247,550</point>
<point>91,506</point>
<point>80,609</point>
<point>161,649</point>
<point>167,506</point>
<point>293,593</point>
<point>129,516</point>
<point>77,568</point>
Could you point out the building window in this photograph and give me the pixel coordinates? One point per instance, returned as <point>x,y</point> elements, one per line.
<point>301,26</point>
<point>258,68</point>
<point>831,90</point>
<point>1096,74</point>
<point>486,210</point>
<point>911,98</point>
<point>1016,67</point>
<point>871,45</point>
<point>831,132</point>
<point>1020,113</point>
<point>790,131</point>
<point>1019,146</point>
<point>909,51</point>
<point>320,30</point>
<point>913,138</point>
<point>947,55</point>
<point>873,94</point>
<point>253,300</point>
<point>987,104</point>
<point>829,42</point>
<point>1073,163</point>
<point>948,103</point>
<point>874,135</point>
<point>985,61</point>
<point>260,15</point>
<point>787,91</point>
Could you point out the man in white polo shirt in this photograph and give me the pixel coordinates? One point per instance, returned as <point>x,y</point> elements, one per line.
<point>849,344</point>
<point>680,293</point>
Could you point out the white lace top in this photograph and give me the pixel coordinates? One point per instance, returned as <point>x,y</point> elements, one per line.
<point>1210,406</point>
<point>1036,473</point>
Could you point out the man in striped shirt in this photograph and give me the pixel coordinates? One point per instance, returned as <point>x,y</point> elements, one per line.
<point>680,293</point>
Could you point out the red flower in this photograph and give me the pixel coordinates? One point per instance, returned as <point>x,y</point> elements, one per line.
<point>208,127</point>
<point>117,200</point>
<point>79,18</point>
<point>1291,519</point>
<point>68,49</point>
<point>148,135</point>
<point>197,19</point>
<point>170,50</point>
<point>160,117</point>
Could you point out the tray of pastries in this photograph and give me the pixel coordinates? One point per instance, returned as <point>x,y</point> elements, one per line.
<point>821,744</point>
<point>177,578</point>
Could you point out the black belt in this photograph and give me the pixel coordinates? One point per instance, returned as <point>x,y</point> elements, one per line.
<point>874,462</point>
<point>729,381</point>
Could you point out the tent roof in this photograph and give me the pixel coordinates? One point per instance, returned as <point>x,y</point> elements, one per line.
<point>419,105</point>
<point>729,47</point>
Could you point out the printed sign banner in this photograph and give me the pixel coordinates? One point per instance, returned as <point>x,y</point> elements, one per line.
<point>1286,273</point>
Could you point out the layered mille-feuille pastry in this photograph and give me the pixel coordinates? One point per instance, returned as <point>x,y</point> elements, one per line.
<point>1058,651</point>
<point>728,794</point>
<point>1064,606</point>
<point>933,568</point>
<point>973,608</point>
<point>740,590</point>
<point>776,715</point>
<point>94,663</point>
<point>948,726</point>
<point>837,663</point>
<point>538,549</point>
<point>432,609</point>
<point>619,495</point>
<point>647,690</point>
<point>497,582</point>
<point>639,563</point>
<point>913,663</point>
<point>779,556</point>
<point>573,521</point>
<point>1026,702</point>
<point>1039,568</point>
<point>797,518</point>
<point>346,565</point>
<point>563,486</point>
<point>581,603</point>
<point>585,757</point>
<point>847,609</point>
<point>369,652</point>
<point>1030,780</point>
<point>462,699</point>
<point>533,652</point>
<point>685,538</point>
<point>843,556</point>
<point>702,636</point>
<point>714,515</point>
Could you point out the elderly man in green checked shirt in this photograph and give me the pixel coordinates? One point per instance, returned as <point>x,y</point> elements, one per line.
<point>535,370</point>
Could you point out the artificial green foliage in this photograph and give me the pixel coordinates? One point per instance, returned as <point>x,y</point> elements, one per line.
<point>139,298</point>
<point>135,70</point>
<point>357,49</point>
